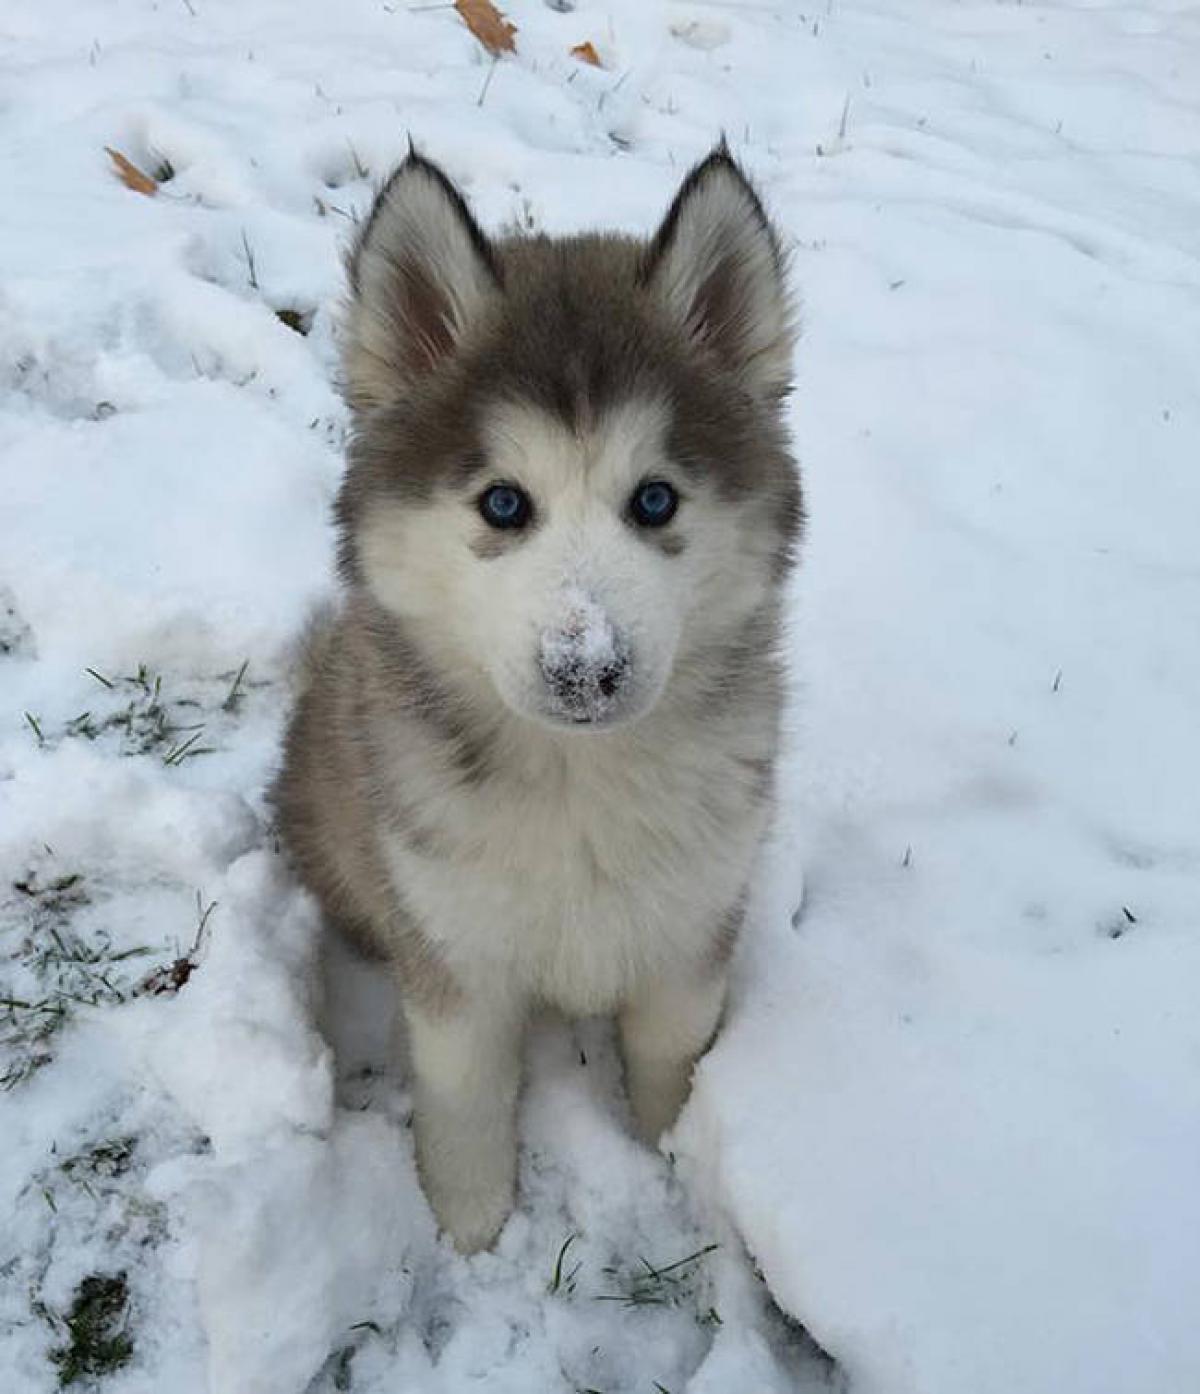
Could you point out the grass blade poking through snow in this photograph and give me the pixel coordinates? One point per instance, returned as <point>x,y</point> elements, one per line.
<point>558,1282</point>
<point>650,1286</point>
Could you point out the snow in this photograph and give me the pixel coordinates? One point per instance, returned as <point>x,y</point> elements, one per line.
<point>583,653</point>
<point>954,1117</point>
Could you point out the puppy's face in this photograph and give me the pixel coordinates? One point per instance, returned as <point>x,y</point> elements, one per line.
<point>568,476</point>
<point>571,566</point>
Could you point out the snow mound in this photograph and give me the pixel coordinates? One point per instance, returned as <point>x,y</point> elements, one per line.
<point>954,1119</point>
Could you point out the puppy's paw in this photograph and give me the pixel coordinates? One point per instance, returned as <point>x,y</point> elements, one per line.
<point>472,1219</point>
<point>652,1116</point>
<point>655,1098</point>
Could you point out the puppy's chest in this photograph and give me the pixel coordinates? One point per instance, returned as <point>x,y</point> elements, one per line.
<point>577,885</point>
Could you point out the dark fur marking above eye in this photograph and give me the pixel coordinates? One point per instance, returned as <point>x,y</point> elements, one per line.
<point>469,464</point>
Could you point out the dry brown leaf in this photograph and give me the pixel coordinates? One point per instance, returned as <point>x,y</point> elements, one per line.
<point>129,174</point>
<point>488,25</point>
<point>586,53</point>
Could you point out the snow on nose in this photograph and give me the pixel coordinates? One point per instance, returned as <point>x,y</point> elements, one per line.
<point>584,661</point>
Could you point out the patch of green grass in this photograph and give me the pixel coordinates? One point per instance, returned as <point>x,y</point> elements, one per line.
<point>100,1188</point>
<point>59,969</point>
<point>49,967</point>
<point>98,1339</point>
<point>648,1285</point>
<point>58,896</point>
<point>146,721</point>
<point>136,710</point>
<point>106,1160</point>
<point>96,1170</point>
<point>28,1028</point>
<point>185,748</point>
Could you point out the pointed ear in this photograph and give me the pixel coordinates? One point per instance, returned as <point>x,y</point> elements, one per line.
<point>717,264</point>
<point>421,273</point>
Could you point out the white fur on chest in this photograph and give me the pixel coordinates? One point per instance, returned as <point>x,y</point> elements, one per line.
<point>575,886</point>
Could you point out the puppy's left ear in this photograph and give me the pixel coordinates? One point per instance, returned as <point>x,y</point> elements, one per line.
<point>717,264</point>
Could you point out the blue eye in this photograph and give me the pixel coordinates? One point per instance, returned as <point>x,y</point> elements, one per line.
<point>505,506</point>
<point>653,504</point>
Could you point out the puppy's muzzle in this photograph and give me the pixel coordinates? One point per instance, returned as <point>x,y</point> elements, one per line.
<point>585,673</point>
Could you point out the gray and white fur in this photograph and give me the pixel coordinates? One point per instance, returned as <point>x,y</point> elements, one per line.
<point>533,764</point>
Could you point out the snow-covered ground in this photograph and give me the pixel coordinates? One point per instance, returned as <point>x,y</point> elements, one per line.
<point>953,1125</point>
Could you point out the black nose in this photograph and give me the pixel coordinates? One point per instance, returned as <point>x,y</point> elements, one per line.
<point>580,684</point>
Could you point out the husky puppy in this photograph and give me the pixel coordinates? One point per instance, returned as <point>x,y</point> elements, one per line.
<point>533,759</point>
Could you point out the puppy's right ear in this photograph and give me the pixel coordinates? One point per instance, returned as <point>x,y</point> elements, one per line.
<point>421,273</point>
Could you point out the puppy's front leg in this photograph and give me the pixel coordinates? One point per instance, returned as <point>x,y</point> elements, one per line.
<point>664,1027</point>
<point>466,1065</point>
